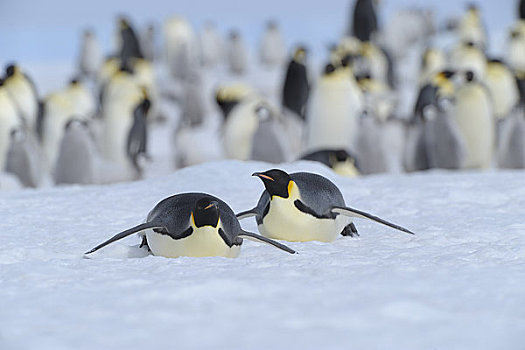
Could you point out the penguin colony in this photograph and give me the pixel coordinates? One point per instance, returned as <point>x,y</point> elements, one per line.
<point>467,108</point>
<point>467,113</point>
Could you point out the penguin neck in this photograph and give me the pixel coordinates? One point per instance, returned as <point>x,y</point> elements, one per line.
<point>293,193</point>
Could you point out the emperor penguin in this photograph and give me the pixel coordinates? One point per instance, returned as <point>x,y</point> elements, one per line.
<point>502,86</point>
<point>193,104</point>
<point>364,20</point>
<point>296,87</point>
<point>339,160</point>
<point>468,57</point>
<point>237,53</point>
<point>267,144</point>
<point>473,112</point>
<point>471,28</point>
<point>23,157</point>
<point>137,140</point>
<point>23,93</point>
<point>9,120</point>
<point>180,47</point>
<point>90,55</point>
<point>77,157</point>
<point>333,110</point>
<point>121,96</point>
<point>303,206</point>
<point>229,96</point>
<point>272,51</point>
<point>194,225</point>
<point>128,43</point>
<point>58,110</point>
<point>211,46</point>
<point>515,47</point>
<point>521,10</point>
<point>375,62</point>
<point>370,144</point>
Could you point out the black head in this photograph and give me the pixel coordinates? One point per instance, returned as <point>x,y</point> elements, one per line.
<point>10,70</point>
<point>469,75</point>
<point>448,73</point>
<point>206,212</point>
<point>347,60</point>
<point>329,69</point>
<point>276,182</point>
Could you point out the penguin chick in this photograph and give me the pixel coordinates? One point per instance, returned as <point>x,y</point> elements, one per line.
<point>296,87</point>
<point>180,47</point>
<point>339,160</point>
<point>192,224</point>
<point>433,62</point>
<point>90,55</point>
<point>211,46</point>
<point>272,49</point>
<point>515,47</point>
<point>77,157</point>
<point>237,54</point>
<point>304,206</point>
<point>23,158</point>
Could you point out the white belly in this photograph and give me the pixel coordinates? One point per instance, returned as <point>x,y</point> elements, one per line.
<point>284,221</point>
<point>204,241</point>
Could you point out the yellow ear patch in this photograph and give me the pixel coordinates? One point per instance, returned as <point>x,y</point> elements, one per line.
<point>290,186</point>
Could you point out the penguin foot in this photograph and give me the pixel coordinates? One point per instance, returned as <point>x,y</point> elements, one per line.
<point>350,230</point>
<point>144,243</point>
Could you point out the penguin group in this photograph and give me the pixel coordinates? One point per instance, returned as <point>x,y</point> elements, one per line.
<point>362,106</point>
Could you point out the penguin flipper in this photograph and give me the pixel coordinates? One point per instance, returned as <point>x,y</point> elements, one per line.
<point>346,211</point>
<point>246,214</point>
<point>261,239</point>
<point>125,233</point>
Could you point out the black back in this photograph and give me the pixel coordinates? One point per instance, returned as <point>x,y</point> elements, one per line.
<point>130,45</point>
<point>138,134</point>
<point>364,20</point>
<point>296,88</point>
<point>173,213</point>
<point>427,96</point>
<point>522,9</point>
<point>329,156</point>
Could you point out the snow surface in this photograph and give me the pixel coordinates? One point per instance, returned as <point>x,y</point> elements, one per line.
<point>456,284</point>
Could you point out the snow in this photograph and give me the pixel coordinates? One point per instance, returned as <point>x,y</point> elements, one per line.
<point>456,284</point>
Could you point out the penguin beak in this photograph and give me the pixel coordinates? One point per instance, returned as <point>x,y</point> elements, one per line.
<point>263,176</point>
<point>212,204</point>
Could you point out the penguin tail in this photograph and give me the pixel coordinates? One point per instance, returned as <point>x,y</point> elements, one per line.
<point>125,233</point>
<point>350,212</point>
<point>261,239</point>
<point>246,214</point>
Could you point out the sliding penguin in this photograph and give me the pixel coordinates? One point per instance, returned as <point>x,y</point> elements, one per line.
<point>339,160</point>
<point>192,224</point>
<point>296,87</point>
<point>304,206</point>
